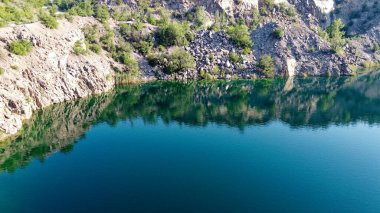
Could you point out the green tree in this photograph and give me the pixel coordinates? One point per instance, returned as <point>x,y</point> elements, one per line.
<point>278,33</point>
<point>240,35</point>
<point>179,60</point>
<point>217,19</point>
<point>20,47</point>
<point>336,35</point>
<point>376,47</point>
<point>172,34</point>
<point>266,64</point>
<point>78,48</point>
<point>102,13</point>
<point>256,19</point>
<point>198,16</point>
<point>48,21</point>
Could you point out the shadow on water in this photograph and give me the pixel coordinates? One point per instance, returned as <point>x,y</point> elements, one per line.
<point>300,103</point>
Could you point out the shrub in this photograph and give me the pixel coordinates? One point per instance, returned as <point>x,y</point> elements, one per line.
<point>287,9</point>
<point>164,17</point>
<point>215,70</point>
<point>179,60</point>
<point>278,33</point>
<point>197,16</point>
<point>130,63</point>
<point>336,35</point>
<point>2,71</point>
<point>108,41</point>
<point>83,8</point>
<point>234,57</point>
<point>10,13</point>
<point>151,19</point>
<point>266,64</point>
<point>143,47</point>
<point>49,21</point>
<point>376,47</point>
<point>172,34</point>
<point>335,29</point>
<point>20,47</point>
<point>101,13</point>
<point>267,6</point>
<point>53,10</point>
<point>78,48</point>
<point>256,19</point>
<point>69,17</point>
<point>220,21</point>
<point>96,48</point>
<point>369,64</point>
<point>240,36</point>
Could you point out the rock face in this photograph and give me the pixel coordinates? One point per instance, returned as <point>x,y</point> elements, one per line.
<point>212,51</point>
<point>299,52</point>
<point>50,74</point>
<point>359,16</point>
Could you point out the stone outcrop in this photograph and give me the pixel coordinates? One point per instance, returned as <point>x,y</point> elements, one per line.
<point>212,50</point>
<point>300,51</point>
<point>50,74</point>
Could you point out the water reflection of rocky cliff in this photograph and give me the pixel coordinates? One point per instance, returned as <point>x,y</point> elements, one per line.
<point>311,102</point>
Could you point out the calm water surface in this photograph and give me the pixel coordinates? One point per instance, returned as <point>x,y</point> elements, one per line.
<point>301,145</point>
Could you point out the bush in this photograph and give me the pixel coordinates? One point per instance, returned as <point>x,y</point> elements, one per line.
<point>234,57</point>
<point>266,64</point>
<point>287,9</point>
<point>49,21</point>
<point>369,64</point>
<point>2,71</point>
<point>151,19</point>
<point>78,48</point>
<point>130,63</point>
<point>164,17</point>
<point>376,47</point>
<point>267,6</point>
<point>179,60</point>
<point>20,47</point>
<point>220,21</point>
<point>10,13</point>
<point>102,13</point>
<point>83,8</point>
<point>96,48</point>
<point>108,41</point>
<point>69,17</point>
<point>172,34</point>
<point>336,35</point>
<point>197,16</point>
<point>256,19</point>
<point>278,33</point>
<point>240,36</point>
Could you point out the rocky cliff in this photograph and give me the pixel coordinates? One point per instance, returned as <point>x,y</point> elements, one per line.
<point>50,74</point>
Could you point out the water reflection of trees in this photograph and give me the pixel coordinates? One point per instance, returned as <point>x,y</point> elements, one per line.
<point>311,102</point>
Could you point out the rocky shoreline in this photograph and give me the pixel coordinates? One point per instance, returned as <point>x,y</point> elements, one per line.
<point>52,73</point>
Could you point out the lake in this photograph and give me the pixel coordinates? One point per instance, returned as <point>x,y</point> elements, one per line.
<point>281,145</point>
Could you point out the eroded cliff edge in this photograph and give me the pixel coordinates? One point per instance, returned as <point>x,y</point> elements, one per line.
<point>50,74</point>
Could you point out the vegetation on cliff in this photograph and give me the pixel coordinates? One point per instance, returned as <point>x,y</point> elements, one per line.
<point>128,30</point>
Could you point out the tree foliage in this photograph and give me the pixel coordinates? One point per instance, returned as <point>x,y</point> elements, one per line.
<point>172,34</point>
<point>240,35</point>
<point>266,64</point>
<point>179,60</point>
<point>20,47</point>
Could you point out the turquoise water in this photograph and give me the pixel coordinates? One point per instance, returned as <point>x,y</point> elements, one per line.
<point>303,145</point>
